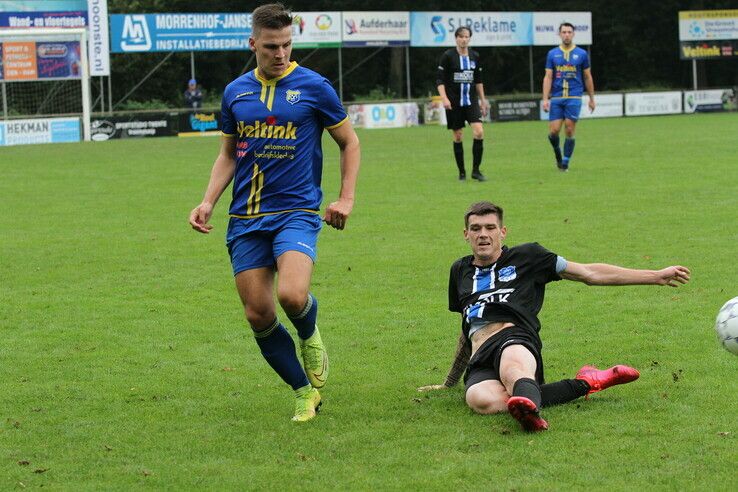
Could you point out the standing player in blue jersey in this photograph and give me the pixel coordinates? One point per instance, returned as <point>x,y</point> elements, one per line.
<point>567,75</point>
<point>273,119</point>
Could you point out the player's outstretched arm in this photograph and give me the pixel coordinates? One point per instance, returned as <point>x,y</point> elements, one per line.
<point>604,274</point>
<point>336,214</point>
<point>461,359</point>
<point>220,176</point>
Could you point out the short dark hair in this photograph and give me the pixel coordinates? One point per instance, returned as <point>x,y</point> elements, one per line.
<point>482,208</point>
<point>457,33</point>
<point>270,16</point>
<point>567,24</point>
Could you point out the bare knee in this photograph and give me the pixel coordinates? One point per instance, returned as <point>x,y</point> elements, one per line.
<point>485,402</point>
<point>292,300</point>
<point>458,135</point>
<point>569,129</point>
<point>259,317</point>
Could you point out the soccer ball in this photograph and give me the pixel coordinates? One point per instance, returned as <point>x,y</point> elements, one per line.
<point>726,325</point>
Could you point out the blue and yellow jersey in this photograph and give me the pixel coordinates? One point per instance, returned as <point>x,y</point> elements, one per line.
<point>278,125</point>
<point>568,66</point>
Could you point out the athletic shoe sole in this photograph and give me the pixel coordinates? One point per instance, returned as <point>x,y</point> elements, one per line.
<point>525,411</point>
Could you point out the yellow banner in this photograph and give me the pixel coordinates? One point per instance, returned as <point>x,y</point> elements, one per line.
<point>707,14</point>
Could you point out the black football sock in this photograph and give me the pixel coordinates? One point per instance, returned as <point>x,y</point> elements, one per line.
<point>477,149</point>
<point>529,389</point>
<point>459,155</point>
<point>563,391</point>
<point>554,139</point>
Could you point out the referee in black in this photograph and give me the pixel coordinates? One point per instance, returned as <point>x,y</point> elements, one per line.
<point>462,92</point>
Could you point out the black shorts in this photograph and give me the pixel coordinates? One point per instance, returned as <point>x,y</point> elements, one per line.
<point>456,116</point>
<point>485,363</point>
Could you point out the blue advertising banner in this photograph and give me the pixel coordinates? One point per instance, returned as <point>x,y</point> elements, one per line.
<point>43,13</point>
<point>65,130</point>
<point>43,19</point>
<point>488,28</point>
<point>59,60</point>
<point>136,33</point>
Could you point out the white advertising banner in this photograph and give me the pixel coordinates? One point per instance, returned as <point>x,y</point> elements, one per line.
<point>647,103</point>
<point>488,28</point>
<point>394,115</point>
<point>546,27</point>
<point>314,29</point>
<point>708,25</point>
<point>376,28</point>
<point>709,101</point>
<point>42,130</point>
<point>608,106</point>
<point>98,47</point>
<point>434,112</point>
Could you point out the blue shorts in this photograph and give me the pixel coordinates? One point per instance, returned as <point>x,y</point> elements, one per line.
<point>565,108</point>
<point>257,243</point>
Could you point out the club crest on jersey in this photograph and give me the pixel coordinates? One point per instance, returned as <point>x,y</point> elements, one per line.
<point>507,274</point>
<point>292,96</point>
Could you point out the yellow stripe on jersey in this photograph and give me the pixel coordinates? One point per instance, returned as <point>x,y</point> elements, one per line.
<point>270,101</point>
<point>275,213</point>
<point>257,200</point>
<point>257,183</point>
<point>337,124</point>
<point>264,91</point>
<point>567,52</point>
<point>266,96</point>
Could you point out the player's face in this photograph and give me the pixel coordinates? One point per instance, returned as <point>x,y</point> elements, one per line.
<point>485,235</point>
<point>272,48</point>
<point>566,34</point>
<point>462,40</point>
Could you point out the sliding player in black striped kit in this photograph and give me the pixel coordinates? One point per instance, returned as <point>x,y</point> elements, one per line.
<point>499,292</point>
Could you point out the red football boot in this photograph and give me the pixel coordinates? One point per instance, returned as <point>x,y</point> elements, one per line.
<point>599,380</point>
<point>526,412</point>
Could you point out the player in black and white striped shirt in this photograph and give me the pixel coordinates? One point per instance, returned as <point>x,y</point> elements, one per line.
<point>460,86</point>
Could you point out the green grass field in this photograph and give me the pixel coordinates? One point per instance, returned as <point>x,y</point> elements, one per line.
<point>126,360</point>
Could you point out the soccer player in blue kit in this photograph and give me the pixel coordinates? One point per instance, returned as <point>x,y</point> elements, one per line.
<point>273,118</point>
<point>567,75</point>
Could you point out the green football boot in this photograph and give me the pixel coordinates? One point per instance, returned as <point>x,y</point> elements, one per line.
<point>315,359</point>
<point>306,405</point>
